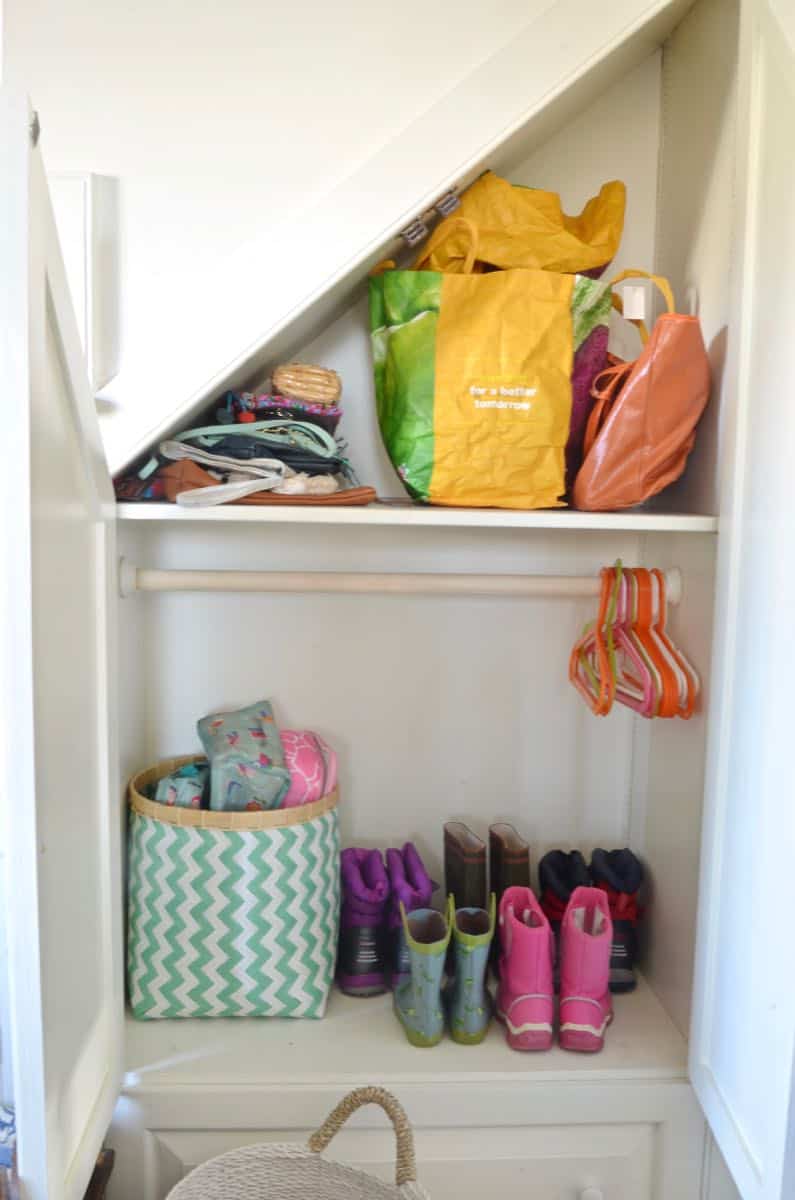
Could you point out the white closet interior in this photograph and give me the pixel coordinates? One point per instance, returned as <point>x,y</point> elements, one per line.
<point>460,707</point>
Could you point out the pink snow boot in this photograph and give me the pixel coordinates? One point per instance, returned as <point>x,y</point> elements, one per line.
<point>525,998</point>
<point>586,939</point>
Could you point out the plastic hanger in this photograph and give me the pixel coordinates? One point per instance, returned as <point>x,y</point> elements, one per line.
<point>589,662</point>
<point>668,695</point>
<point>636,691</point>
<point>638,687</point>
<point>626,654</point>
<point>691,687</point>
<point>652,701</point>
<point>670,684</point>
<point>669,654</point>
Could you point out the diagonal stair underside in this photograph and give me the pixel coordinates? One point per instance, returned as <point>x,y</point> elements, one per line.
<point>227,325</point>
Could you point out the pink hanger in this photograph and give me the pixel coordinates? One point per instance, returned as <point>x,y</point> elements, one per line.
<point>636,688</point>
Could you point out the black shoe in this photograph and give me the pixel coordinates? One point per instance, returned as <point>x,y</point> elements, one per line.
<point>620,874</point>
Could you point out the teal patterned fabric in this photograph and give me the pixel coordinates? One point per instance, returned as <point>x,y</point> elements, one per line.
<point>232,924</point>
<point>247,770</point>
<point>183,788</point>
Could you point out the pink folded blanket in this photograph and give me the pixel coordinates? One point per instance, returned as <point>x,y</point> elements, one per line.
<point>312,765</point>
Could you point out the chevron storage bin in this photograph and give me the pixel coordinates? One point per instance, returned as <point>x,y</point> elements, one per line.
<point>230,914</point>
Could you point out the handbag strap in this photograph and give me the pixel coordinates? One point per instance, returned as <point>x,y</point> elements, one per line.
<point>605,389</point>
<point>303,434</point>
<point>444,231</point>
<point>608,383</point>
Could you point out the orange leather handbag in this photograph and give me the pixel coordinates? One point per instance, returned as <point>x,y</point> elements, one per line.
<point>643,423</point>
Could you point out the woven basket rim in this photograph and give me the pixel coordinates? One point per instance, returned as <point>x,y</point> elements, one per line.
<point>202,818</point>
<point>297,1154</point>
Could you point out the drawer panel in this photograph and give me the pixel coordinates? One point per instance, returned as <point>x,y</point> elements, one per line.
<point>536,1163</point>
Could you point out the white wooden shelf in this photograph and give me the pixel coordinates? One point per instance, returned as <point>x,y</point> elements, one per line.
<point>414,516</point>
<point>360,1041</point>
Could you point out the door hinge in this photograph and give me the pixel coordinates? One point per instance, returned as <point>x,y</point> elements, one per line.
<point>35,129</point>
<point>414,233</point>
<point>447,203</point>
<point>419,228</point>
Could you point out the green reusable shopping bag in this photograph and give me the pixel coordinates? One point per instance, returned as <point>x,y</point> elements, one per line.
<point>474,376</point>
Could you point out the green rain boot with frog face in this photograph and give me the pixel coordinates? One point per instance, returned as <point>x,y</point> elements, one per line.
<point>468,999</point>
<point>418,1001</point>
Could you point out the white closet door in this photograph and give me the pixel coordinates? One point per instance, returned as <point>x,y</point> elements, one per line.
<point>58,786</point>
<point>744,1013</point>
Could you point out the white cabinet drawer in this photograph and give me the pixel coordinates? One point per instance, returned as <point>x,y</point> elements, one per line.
<point>539,1163</point>
<point>536,1163</point>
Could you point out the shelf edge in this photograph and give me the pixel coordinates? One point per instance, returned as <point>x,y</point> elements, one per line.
<point>426,518</point>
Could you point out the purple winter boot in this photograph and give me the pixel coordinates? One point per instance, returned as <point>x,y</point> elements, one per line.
<point>410,884</point>
<point>361,969</point>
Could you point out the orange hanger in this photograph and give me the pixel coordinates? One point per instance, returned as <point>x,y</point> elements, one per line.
<point>668,701</point>
<point>690,684</point>
<point>639,684</point>
<point>589,662</point>
<point>626,654</point>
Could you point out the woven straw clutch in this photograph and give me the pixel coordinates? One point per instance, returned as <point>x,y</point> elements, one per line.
<point>301,382</point>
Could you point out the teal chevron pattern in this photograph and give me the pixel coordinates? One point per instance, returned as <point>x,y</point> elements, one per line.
<point>232,924</point>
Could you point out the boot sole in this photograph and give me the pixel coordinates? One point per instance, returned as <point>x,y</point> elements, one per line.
<point>363,993</point>
<point>622,982</point>
<point>362,985</point>
<point>469,1039</point>
<point>584,1041</point>
<point>418,1039</point>
<point>530,1039</point>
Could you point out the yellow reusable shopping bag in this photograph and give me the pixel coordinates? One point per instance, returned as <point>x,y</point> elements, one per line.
<point>526,227</point>
<point>473,374</point>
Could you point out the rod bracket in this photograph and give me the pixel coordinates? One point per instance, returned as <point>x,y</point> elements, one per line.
<point>128,578</point>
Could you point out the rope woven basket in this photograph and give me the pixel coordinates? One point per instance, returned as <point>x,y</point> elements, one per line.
<point>289,1171</point>
<point>298,381</point>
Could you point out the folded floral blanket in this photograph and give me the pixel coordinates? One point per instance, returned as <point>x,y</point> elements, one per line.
<point>247,770</point>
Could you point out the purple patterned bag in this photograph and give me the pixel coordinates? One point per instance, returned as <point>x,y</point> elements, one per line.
<point>590,357</point>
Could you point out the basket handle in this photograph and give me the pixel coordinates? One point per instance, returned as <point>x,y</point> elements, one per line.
<point>406,1167</point>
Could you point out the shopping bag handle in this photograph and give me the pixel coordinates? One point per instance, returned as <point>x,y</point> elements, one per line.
<point>660,281</point>
<point>445,230</point>
<point>406,1167</point>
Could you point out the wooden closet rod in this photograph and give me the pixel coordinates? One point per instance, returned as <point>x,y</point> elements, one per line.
<point>145,579</point>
